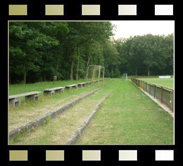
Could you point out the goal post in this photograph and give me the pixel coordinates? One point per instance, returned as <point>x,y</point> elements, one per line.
<point>95,73</point>
<point>124,76</point>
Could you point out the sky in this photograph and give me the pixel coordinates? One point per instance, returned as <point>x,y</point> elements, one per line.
<point>125,29</point>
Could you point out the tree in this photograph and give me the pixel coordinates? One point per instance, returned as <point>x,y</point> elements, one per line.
<point>40,50</point>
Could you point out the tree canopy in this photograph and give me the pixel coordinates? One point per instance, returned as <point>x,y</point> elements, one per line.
<point>40,50</point>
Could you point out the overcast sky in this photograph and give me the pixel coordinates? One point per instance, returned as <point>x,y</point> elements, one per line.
<point>126,29</point>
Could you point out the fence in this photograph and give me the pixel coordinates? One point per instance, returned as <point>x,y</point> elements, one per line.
<point>163,94</point>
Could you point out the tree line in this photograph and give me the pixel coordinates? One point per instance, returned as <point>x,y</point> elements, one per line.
<point>146,55</point>
<point>40,50</point>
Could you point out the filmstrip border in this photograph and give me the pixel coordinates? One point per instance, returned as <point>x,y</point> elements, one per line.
<point>91,10</point>
<point>92,155</point>
<point>26,155</point>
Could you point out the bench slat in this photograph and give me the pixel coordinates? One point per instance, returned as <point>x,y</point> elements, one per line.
<point>23,94</point>
<point>71,85</point>
<point>53,88</point>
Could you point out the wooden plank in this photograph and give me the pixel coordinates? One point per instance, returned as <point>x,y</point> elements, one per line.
<point>52,91</point>
<point>53,88</point>
<point>23,94</point>
<point>71,85</point>
<point>83,83</point>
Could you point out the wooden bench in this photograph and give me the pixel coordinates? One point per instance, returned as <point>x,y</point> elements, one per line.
<point>94,81</point>
<point>52,91</point>
<point>82,84</point>
<point>88,82</point>
<point>69,87</point>
<point>14,100</point>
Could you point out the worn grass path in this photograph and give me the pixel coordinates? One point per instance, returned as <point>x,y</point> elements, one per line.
<point>59,130</point>
<point>129,117</point>
<point>29,110</point>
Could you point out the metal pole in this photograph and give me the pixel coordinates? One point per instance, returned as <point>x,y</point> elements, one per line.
<point>93,77</point>
<point>99,76</point>
<point>103,78</point>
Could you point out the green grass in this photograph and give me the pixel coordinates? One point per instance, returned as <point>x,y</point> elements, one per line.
<point>167,82</point>
<point>129,117</point>
<point>29,110</point>
<point>48,119</point>
<point>39,86</point>
<point>62,128</point>
<point>23,88</point>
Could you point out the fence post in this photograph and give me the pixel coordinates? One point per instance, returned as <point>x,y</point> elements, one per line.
<point>143,85</point>
<point>154,91</point>
<point>147,88</point>
<point>161,94</point>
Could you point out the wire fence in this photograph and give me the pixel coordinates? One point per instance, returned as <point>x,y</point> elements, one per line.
<point>163,94</point>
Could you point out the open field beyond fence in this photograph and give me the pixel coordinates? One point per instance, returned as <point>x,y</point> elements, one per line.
<point>167,82</point>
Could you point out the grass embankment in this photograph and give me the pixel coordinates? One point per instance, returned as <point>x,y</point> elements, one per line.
<point>39,86</point>
<point>23,88</point>
<point>167,82</point>
<point>29,110</point>
<point>62,128</point>
<point>129,117</point>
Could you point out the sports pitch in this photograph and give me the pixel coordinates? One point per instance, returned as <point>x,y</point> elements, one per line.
<point>167,82</point>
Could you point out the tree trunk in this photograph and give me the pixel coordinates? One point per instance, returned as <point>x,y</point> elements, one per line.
<point>87,66</point>
<point>25,73</point>
<point>136,71</point>
<point>72,63</point>
<point>77,70</point>
<point>148,72</point>
<point>24,77</point>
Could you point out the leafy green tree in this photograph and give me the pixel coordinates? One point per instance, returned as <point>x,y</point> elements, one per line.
<point>40,50</point>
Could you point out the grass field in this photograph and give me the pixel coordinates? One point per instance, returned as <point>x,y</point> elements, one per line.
<point>127,117</point>
<point>23,88</point>
<point>167,82</point>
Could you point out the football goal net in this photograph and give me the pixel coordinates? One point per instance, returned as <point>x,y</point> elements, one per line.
<point>95,73</point>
